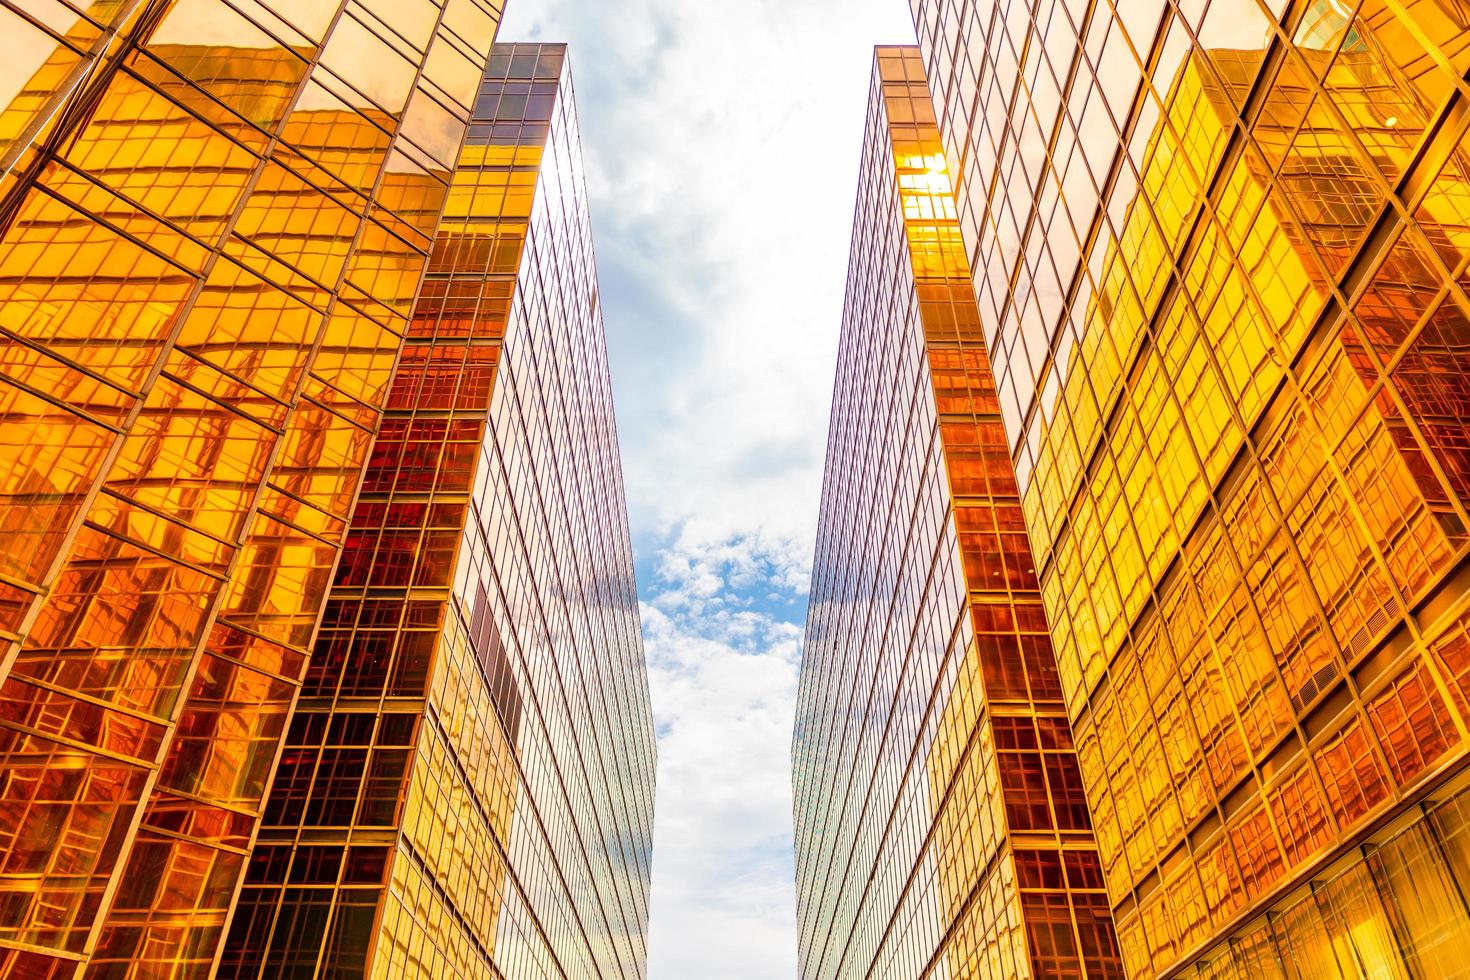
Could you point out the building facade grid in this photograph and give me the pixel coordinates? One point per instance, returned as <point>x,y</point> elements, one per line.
<point>213,220</point>
<point>940,820</point>
<point>1221,256</point>
<point>467,786</point>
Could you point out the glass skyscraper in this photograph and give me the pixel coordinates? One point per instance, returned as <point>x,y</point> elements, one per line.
<point>941,828</point>
<point>1220,259</point>
<point>214,221</point>
<point>466,790</point>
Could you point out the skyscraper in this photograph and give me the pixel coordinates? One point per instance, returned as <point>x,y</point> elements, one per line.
<point>1220,255</point>
<point>941,828</point>
<point>213,220</point>
<point>466,789</point>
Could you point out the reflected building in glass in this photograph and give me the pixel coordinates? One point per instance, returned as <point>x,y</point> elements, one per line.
<point>1220,254</point>
<point>941,826</point>
<point>213,220</point>
<point>466,787</point>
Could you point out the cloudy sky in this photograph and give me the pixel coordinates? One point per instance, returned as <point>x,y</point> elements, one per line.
<point>721,142</point>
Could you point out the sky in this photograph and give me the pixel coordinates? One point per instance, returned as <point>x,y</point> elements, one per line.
<point>721,142</point>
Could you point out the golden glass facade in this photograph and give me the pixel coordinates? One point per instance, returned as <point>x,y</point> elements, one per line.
<point>213,220</point>
<point>1220,253</point>
<point>466,789</point>
<point>941,828</point>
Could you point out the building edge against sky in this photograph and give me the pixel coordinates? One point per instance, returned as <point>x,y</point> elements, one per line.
<point>940,822</point>
<point>214,218</point>
<point>1221,264</point>
<point>467,785</point>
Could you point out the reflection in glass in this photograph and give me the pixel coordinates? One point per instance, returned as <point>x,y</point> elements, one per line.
<point>1229,354</point>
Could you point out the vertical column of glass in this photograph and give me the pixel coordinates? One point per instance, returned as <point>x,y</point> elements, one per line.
<point>382,844</point>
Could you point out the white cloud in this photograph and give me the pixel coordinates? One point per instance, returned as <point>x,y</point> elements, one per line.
<point>721,143</point>
<point>723,682</point>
